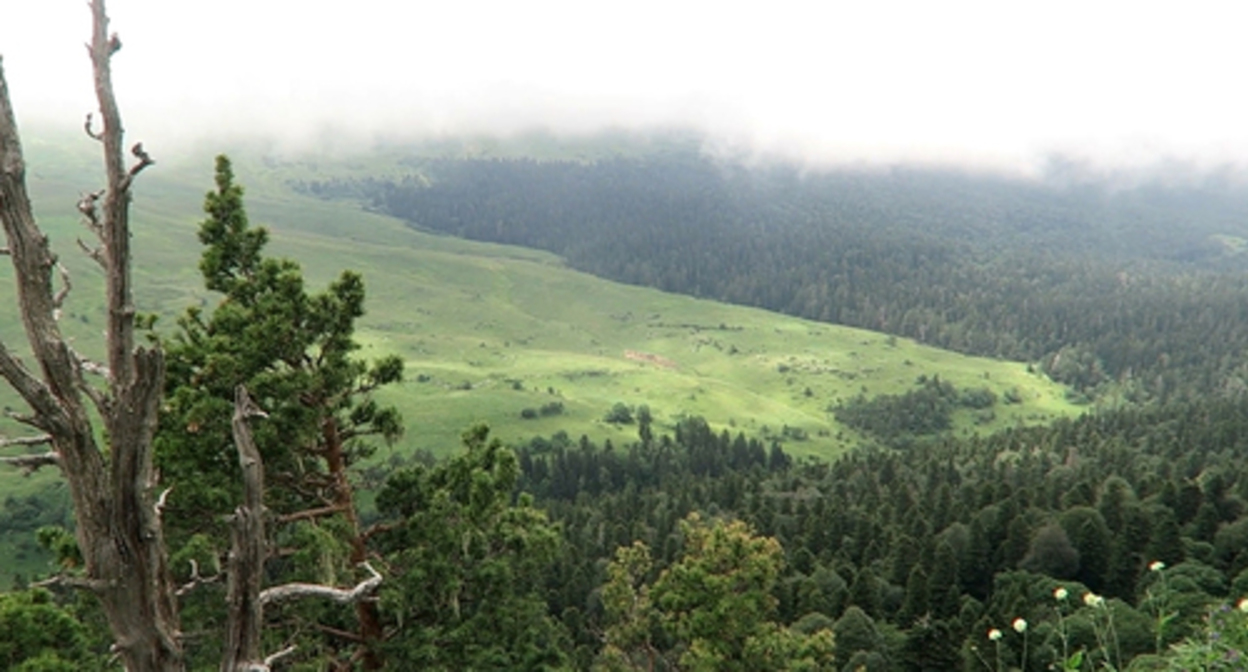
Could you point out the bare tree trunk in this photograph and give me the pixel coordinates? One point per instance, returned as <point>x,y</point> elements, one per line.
<point>247,556</point>
<point>247,548</point>
<point>118,521</point>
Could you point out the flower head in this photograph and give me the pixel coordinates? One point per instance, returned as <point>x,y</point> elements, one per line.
<point>1093,600</point>
<point>1019,625</point>
<point>994,634</point>
<point>1060,593</point>
<point>1243,605</point>
<point>1156,566</point>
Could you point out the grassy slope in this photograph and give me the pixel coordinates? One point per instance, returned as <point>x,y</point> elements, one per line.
<point>476,321</point>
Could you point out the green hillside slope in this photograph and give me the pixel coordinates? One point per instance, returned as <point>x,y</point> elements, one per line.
<point>489,331</point>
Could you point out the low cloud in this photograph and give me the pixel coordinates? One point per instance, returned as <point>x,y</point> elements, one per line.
<point>980,84</point>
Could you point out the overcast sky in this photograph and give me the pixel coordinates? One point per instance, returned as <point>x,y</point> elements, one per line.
<point>944,81</point>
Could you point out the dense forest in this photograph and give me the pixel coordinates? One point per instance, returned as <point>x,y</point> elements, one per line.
<point>1118,540</point>
<point>1136,289</point>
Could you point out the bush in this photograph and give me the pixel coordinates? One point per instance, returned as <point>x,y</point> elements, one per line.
<point>620,414</point>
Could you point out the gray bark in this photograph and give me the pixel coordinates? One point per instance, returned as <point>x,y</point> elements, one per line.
<point>118,527</point>
<point>247,549</point>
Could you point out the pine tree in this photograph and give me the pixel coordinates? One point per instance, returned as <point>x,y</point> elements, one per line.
<point>294,352</point>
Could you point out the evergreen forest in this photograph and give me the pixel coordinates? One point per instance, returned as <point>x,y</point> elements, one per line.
<point>1115,540</point>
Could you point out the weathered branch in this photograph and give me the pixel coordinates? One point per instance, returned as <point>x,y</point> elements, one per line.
<point>41,440</point>
<point>78,582</point>
<point>196,580</point>
<point>308,514</point>
<point>95,253</point>
<point>144,158</point>
<point>159,506</point>
<point>88,205</point>
<point>90,122</point>
<point>272,658</point>
<point>27,385</point>
<point>29,464</point>
<point>58,301</point>
<point>292,591</point>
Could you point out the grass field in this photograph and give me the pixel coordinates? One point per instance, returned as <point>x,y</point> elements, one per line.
<point>488,331</point>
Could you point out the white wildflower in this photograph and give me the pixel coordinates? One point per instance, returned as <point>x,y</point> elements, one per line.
<point>1019,625</point>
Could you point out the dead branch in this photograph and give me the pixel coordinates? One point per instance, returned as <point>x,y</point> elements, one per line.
<point>26,384</point>
<point>90,122</point>
<point>59,300</point>
<point>41,440</point>
<point>308,514</point>
<point>272,658</point>
<point>196,580</point>
<point>4,251</point>
<point>88,205</point>
<point>144,158</point>
<point>29,464</point>
<point>95,253</point>
<point>160,502</point>
<point>78,582</point>
<point>292,591</point>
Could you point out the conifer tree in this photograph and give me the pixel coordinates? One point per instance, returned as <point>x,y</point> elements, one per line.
<point>294,352</point>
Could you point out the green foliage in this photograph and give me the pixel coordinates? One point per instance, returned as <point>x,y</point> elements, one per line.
<point>37,635</point>
<point>620,414</point>
<point>294,351</point>
<point>712,609</point>
<point>897,419</point>
<point>1221,644</point>
<point>466,566</point>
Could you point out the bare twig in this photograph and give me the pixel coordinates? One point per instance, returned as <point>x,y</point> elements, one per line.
<point>291,591</point>
<point>90,122</point>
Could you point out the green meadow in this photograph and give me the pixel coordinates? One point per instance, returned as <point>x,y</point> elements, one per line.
<point>489,331</point>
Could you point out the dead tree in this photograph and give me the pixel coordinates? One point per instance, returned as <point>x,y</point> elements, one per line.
<point>113,489</point>
<point>117,507</point>
<point>248,553</point>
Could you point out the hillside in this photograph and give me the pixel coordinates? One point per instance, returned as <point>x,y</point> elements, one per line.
<point>1125,287</point>
<point>480,320</point>
<point>489,331</point>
